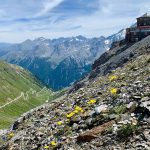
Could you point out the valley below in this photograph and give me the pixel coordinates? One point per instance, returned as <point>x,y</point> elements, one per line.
<point>19,93</point>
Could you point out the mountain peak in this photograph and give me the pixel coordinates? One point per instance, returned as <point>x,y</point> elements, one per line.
<point>41,39</point>
<point>80,37</point>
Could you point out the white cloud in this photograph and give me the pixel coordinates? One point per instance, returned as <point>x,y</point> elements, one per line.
<point>47,6</point>
<point>108,18</point>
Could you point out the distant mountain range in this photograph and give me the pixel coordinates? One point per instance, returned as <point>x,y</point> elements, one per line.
<point>58,62</point>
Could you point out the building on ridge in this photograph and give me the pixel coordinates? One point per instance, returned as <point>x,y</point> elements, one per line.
<point>142,29</point>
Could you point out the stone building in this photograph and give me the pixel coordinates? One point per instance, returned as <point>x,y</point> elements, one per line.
<point>142,29</point>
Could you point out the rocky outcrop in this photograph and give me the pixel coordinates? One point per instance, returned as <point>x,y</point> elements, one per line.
<point>118,56</point>
<point>92,134</point>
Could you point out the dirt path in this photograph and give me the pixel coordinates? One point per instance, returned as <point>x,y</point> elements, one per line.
<point>24,95</point>
<point>17,98</point>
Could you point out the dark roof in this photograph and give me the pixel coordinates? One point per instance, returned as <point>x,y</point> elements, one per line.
<point>145,15</point>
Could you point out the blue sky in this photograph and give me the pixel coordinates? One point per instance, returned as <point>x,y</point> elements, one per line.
<point>29,19</point>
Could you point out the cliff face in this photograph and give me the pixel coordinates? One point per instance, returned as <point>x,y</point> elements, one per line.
<point>119,55</point>
<point>110,111</point>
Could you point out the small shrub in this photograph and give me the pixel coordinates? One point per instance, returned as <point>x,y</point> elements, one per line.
<point>148,60</point>
<point>109,130</point>
<point>125,131</point>
<point>120,109</point>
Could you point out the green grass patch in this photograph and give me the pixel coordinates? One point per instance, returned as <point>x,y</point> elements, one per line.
<point>14,81</point>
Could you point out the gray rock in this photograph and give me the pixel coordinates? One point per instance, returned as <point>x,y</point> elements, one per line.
<point>113,116</point>
<point>131,105</point>
<point>145,99</point>
<point>101,108</point>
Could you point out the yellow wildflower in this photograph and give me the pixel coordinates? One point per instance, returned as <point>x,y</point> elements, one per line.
<point>112,78</point>
<point>75,111</point>
<point>53,143</point>
<point>78,109</point>
<point>92,101</point>
<point>113,91</point>
<point>46,147</point>
<point>70,115</point>
<point>11,135</point>
<point>59,123</point>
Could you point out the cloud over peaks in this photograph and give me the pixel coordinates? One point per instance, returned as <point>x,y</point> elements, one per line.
<point>22,19</point>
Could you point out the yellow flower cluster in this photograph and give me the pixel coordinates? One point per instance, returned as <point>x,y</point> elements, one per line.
<point>113,91</point>
<point>11,135</point>
<point>92,101</point>
<point>59,123</point>
<point>112,78</point>
<point>76,111</point>
<point>53,143</point>
<point>46,147</point>
<point>70,115</point>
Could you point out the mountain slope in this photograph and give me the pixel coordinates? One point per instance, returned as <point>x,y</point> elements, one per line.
<point>110,111</point>
<point>116,57</point>
<point>119,55</point>
<point>58,62</point>
<point>19,92</point>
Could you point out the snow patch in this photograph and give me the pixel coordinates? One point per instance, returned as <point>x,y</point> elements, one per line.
<point>107,41</point>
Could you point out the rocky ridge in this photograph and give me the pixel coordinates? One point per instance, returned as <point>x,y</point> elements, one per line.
<point>108,112</point>
<point>117,56</point>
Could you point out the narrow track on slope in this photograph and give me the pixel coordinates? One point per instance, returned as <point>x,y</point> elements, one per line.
<point>24,95</point>
<point>17,98</point>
